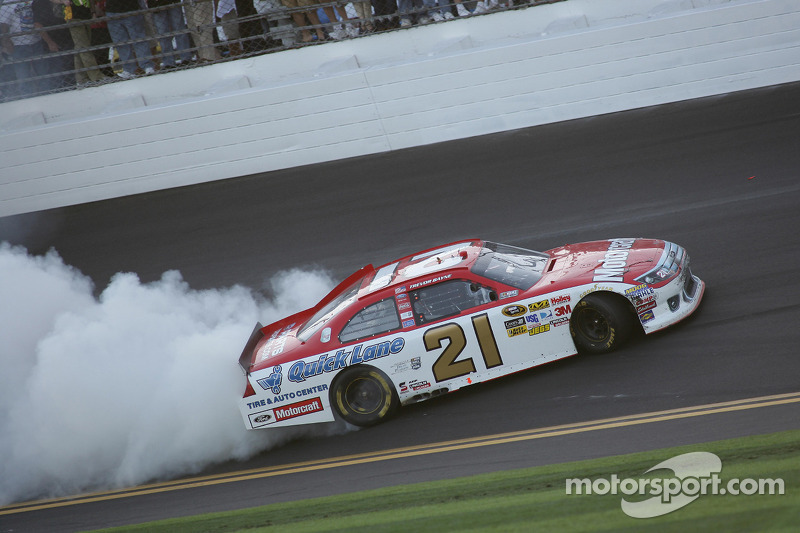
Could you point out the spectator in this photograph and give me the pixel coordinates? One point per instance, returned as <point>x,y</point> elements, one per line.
<point>226,13</point>
<point>200,19</point>
<point>126,24</point>
<point>275,21</point>
<point>363,10</point>
<point>172,33</point>
<point>409,9</point>
<point>384,9</point>
<point>47,14</point>
<point>439,9</point>
<point>299,17</point>
<point>101,38</point>
<point>86,69</point>
<point>337,31</point>
<point>480,7</point>
<point>25,50</point>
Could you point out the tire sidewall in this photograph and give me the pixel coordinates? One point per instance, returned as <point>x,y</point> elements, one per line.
<point>615,316</point>
<point>386,407</point>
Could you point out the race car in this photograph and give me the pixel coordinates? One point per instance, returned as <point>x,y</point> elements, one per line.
<point>455,315</point>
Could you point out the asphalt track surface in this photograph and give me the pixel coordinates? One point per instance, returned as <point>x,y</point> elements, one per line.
<point>717,175</point>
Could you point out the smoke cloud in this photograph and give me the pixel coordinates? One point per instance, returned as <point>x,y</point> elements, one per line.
<point>135,385</point>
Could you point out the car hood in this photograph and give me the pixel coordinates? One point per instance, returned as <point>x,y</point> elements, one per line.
<point>612,260</point>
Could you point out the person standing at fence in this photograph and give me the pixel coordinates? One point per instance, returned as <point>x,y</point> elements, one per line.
<point>126,26</point>
<point>49,16</point>
<point>200,19</point>
<point>229,19</point>
<point>172,33</point>
<point>26,50</point>
<point>86,69</point>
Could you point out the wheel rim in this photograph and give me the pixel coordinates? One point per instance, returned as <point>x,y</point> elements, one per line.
<point>593,325</point>
<point>364,395</point>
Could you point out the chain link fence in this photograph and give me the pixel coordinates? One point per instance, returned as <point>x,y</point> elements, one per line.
<point>51,46</point>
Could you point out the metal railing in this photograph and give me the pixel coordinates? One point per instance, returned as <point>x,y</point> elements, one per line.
<point>111,47</point>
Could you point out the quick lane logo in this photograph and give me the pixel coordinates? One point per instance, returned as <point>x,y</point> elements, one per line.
<point>298,409</point>
<point>331,362</point>
<point>615,261</point>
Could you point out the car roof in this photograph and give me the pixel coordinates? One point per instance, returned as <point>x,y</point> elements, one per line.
<point>422,265</point>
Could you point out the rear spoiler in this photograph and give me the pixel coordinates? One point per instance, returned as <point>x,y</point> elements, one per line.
<point>246,359</point>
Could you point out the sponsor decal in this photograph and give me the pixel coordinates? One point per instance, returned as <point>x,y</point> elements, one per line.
<point>639,291</point>
<point>541,316</point>
<point>563,310</point>
<point>414,385</point>
<point>508,294</point>
<point>649,304</point>
<point>513,332</point>
<point>559,300</point>
<point>614,262</point>
<point>275,344</point>
<point>398,290</point>
<point>297,409</point>
<point>404,305</point>
<point>273,381</point>
<point>262,419</point>
<point>406,315</point>
<point>647,316</point>
<point>414,363</point>
<point>408,323</point>
<point>429,281</point>
<point>515,323</point>
<point>536,306</point>
<point>595,288</point>
<point>257,404</point>
<point>514,310</point>
<point>539,329</point>
<point>297,394</point>
<point>301,370</point>
<point>559,322</point>
<point>402,296</point>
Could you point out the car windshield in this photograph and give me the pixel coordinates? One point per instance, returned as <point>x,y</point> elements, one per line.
<point>344,299</point>
<point>513,266</point>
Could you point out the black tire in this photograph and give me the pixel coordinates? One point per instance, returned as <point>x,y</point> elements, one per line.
<point>600,323</point>
<point>363,396</point>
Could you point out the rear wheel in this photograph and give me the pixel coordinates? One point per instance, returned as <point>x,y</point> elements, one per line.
<point>600,323</point>
<point>363,396</point>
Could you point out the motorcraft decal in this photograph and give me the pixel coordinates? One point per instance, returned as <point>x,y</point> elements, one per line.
<point>614,262</point>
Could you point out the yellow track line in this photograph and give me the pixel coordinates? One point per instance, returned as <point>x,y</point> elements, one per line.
<point>412,451</point>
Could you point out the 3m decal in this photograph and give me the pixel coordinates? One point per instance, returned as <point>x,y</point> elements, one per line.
<point>446,367</point>
<point>562,311</point>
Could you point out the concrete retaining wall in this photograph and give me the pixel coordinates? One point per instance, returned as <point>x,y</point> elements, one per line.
<point>387,92</point>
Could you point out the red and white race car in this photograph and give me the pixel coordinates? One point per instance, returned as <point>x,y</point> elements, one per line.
<point>456,315</point>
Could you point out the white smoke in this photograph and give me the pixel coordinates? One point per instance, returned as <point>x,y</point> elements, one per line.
<point>138,384</point>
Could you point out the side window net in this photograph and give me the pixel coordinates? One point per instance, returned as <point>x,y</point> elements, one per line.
<point>380,317</point>
<point>447,299</point>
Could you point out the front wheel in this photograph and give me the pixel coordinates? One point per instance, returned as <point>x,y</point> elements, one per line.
<point>363,396</point>
<point>600,324</point>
